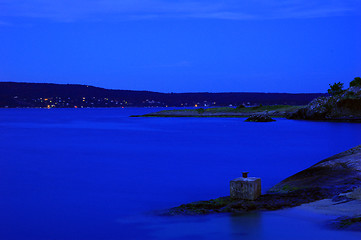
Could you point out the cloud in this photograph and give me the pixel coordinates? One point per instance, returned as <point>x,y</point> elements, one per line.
<point>97,10</point>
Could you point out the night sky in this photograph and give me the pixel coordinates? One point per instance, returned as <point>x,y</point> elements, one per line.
<point>182,46</point>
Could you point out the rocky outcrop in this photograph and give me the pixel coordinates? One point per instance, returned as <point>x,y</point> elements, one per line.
<point>260,118</point>
<point>329,178</point>
<point>346,223</point>
<point>337,174</point>
<point>269,201</point>
<point>345,106</point>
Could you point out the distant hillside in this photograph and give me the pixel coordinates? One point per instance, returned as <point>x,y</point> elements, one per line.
<point>71,95</point>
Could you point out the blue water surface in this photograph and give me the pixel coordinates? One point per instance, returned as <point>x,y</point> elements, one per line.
<point>97,174</point>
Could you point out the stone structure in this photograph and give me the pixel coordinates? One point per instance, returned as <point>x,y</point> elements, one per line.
<point>248,188</point>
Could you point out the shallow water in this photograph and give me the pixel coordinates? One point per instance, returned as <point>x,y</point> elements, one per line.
<point>98,174</point>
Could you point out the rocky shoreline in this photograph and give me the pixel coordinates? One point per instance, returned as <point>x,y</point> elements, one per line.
<point>342,107</point>
<point>345,106</point>
<point>337,178</point>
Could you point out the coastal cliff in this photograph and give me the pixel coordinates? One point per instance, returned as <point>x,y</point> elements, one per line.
<point>344,106</point>
<point>335,178</point>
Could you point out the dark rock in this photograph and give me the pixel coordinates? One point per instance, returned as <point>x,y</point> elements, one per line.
<point>270,201</point>
<point>345,107</point>
<point>346,223</point>
<point>260,118</point>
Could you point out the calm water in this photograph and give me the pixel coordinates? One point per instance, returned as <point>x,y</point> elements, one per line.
<point>96,174</point>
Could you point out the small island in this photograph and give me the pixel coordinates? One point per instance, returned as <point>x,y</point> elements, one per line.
<point>260,118</point>
<point>240,111</point>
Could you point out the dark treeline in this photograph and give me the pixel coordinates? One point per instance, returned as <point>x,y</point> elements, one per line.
<point>71,95</point>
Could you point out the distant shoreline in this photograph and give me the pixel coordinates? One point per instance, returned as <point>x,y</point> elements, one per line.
<point>278,111</point>
<point>14,94</point>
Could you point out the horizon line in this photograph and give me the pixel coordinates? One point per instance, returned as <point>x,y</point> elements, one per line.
<point>171,92</point>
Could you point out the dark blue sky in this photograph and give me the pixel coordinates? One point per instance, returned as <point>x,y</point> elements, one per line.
<point>182,46</point>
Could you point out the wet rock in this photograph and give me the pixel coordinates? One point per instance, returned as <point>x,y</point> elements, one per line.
<point>260,118</point>
<point>346,223</point>
<point>270,201</point>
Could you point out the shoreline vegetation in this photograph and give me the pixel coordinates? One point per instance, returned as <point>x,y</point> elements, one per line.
<point>331,186</point>
<point>276,111</point>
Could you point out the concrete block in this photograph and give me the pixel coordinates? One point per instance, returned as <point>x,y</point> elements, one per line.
<point>248,188</point>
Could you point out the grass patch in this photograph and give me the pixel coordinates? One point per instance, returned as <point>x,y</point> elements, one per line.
<point>286,188</point>
<point>276,111</point>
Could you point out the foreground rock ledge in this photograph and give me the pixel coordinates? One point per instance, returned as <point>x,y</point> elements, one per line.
<point>329,178</point>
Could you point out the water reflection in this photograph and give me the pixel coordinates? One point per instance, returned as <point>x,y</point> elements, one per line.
<point>248,225</point>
